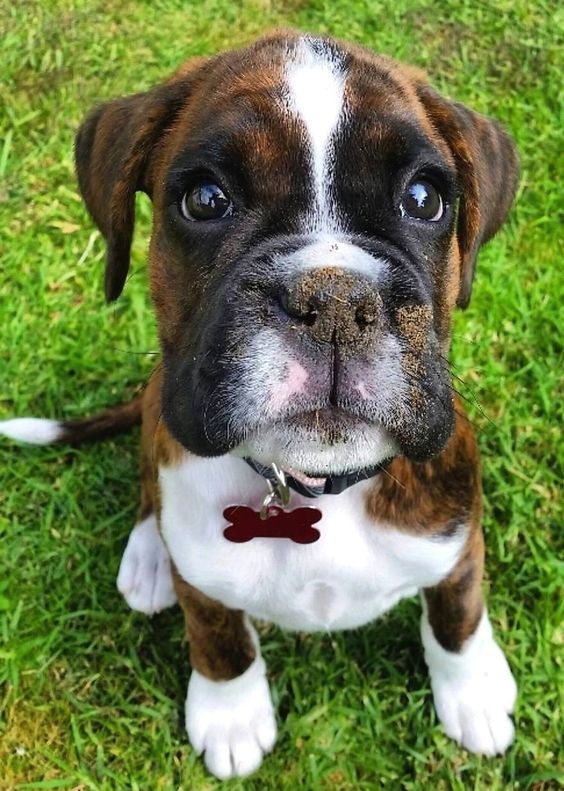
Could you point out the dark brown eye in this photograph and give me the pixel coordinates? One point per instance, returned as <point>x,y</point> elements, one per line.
<point>206,201</point>
<point>422,201</point>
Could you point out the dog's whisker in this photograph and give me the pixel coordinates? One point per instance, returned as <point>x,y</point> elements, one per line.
<point>149,353</point>
<point>388,474</point>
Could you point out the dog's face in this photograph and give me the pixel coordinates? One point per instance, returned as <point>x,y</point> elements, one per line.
<point>317,214</point>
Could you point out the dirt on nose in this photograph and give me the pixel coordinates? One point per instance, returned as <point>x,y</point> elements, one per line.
<point>338,306</point>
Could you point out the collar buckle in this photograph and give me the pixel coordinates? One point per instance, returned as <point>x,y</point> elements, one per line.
<point>279,491</point>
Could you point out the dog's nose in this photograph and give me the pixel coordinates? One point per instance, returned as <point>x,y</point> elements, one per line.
<point>337,306</point>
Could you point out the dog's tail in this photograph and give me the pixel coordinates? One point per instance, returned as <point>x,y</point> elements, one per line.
<point>72,432</point>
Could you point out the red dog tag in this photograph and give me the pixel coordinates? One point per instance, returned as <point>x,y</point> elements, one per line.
<point>296,525</point>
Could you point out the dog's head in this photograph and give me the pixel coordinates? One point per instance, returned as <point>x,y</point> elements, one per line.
<point>317,214</point>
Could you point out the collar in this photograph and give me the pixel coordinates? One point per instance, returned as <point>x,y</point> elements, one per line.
<point>334,484</point>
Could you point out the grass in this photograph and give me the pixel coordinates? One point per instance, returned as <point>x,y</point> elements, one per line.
<point>92,692</point>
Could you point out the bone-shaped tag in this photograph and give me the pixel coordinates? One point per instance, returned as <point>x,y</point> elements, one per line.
<point>296,525</point>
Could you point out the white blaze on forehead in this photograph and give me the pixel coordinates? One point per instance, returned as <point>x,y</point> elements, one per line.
<point>316,81</point>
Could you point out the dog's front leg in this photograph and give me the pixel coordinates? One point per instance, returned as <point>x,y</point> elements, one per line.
<point>473,688</point>
<point>229,712</point>
<point>144,578</point>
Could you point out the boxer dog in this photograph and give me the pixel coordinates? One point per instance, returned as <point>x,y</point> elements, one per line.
<point>318,210</point>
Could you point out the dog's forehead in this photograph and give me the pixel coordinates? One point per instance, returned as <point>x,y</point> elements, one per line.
<point>301,91</point>
<point>318,79</point>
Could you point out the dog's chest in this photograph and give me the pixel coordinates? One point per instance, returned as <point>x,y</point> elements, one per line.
<point>357,569</point>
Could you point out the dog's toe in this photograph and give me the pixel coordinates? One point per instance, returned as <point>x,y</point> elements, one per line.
<point>233,754</point>
<point>144,577</point>
<point>475,707</point>
<point>231,722</point>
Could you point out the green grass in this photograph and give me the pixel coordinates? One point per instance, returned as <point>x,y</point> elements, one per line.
<point>92,693</point>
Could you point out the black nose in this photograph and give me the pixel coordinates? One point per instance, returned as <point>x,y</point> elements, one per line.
<point>337,306</point>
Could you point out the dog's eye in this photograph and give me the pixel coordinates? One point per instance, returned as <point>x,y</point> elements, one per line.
<point>206,201</point>
<point>422,201</point>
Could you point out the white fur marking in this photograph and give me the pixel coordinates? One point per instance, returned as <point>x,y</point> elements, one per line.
<point>317,84</point>
<point>367,446</point>
<point>232,722</point>
<point>144,578</point>
<point>32,429</point>
<point>332,252</point>
<point>357,570</point>
<point>474,691</point>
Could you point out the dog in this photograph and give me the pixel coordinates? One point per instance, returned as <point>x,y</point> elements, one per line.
<point>318,210</point>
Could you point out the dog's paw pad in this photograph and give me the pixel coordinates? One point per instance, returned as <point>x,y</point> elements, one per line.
<point>475,708</point>
<point>231,722</point>
<point>144,578</point>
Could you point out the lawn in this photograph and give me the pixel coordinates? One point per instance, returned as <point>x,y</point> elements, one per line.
<point>92,692</point>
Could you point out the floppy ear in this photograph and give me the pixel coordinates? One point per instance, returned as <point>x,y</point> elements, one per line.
<point>113,155</point>
<point>488,170</point>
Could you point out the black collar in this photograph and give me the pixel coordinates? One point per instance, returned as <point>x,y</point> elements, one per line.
<point>334,484</point>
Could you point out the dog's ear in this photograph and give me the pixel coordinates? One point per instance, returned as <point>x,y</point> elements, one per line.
<point>488,170</point>
<point>113,153</point>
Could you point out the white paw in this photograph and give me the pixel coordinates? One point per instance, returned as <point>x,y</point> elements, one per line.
<point>144,578</point>
<point>474,691</point>
<point>231,722</point>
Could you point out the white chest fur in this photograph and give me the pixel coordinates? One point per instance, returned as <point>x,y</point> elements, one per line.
<point>357,570</point>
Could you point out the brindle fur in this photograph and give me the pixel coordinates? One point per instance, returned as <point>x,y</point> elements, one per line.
<point>220,645</point>
<point>439,497</point>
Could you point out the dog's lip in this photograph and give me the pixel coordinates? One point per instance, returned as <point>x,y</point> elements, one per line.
<point>329,417</point>
<point>339,421</point>
<point>326,417</point>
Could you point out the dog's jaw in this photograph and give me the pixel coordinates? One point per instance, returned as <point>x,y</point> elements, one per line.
<point>294,446</point>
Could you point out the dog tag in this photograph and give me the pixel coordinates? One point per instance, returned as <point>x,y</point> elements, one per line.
<point>246,523</point>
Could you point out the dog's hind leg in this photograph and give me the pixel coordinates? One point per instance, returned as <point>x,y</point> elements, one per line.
<point>144,577</point>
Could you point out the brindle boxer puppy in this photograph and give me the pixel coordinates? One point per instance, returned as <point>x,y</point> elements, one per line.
<point>318,210</point>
